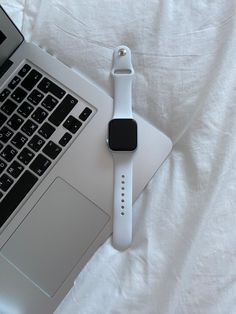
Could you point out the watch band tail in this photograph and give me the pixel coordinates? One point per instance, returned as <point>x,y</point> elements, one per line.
<point>122,213</point>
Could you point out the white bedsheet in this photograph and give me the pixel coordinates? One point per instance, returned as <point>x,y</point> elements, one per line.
<point>183,257</point>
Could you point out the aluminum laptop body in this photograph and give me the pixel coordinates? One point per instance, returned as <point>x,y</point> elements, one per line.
<point>56,173</point>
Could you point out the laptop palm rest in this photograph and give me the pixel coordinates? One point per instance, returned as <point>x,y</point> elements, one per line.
<point>54,236</point>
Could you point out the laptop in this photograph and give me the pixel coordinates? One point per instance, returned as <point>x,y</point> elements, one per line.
<point>56,173</point>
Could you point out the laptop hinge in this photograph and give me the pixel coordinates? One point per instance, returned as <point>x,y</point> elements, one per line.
<point>5,66</point>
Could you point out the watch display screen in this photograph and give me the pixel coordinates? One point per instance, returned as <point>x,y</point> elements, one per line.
<point>122,134</point>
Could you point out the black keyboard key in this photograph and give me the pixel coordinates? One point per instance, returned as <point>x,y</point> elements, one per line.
<point>25,109</point>
<point>65,139</point>
<point>35,97</point>
<point>17,193</point>
<point>39,115</point>
<point>5,134</point>
<point>29,127</point>
<point>85,114</point>
<point>15,122</point>
<point>2,165</point>
<point>3,118</point>
<point>40,164</point>
<point>15,169</point>
<point>57,91</point>
<point>72,124</point>
<point>26,68</point>
<point>46,130</point>
<point>31,79</point>
<point>36,143</point>
<point>4,94</point>
<point>47,86</point>
<point>14,82</point>
<point>1,146</point>
<point>63,109</point>
<point>19,140</point>
<point>8,107</point>
<point>8,153</point>
<point>5,182</point>
<point>19,94</point>
<point>26,156</point>
<point>49,102</point>
<point>52,150</point>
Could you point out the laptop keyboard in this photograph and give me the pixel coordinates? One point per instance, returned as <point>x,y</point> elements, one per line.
<point>38,121</point>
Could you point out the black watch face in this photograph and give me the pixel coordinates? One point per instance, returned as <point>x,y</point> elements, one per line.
<point>122,134</point>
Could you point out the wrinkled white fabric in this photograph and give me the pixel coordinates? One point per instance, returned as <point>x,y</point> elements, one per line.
<point>183,255</point>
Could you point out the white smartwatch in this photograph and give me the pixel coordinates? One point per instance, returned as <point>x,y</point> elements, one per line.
<point>122,141</point>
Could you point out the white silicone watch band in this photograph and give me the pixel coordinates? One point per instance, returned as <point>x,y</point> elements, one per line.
<point>122,73</point>
<point>122,209</point>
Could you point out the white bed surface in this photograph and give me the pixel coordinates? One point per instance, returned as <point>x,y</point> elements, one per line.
<point>183,256</point>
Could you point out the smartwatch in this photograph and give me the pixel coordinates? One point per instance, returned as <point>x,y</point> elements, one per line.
<point>122,141</point>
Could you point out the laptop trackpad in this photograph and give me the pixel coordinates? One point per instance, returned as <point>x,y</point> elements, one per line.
<point>54,236</point>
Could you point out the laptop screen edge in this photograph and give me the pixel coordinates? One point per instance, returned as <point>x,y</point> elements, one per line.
<point>10,36</point>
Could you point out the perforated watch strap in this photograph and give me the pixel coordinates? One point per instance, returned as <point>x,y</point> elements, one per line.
<point>122,211</point>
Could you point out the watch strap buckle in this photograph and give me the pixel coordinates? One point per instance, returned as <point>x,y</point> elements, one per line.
<point>122,65</point>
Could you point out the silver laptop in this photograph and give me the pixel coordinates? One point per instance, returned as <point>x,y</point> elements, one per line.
<point>56,177</point>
